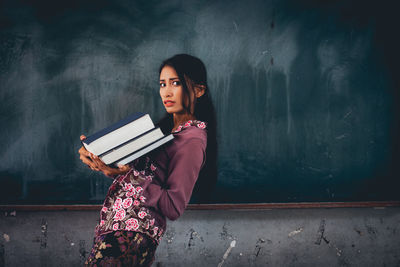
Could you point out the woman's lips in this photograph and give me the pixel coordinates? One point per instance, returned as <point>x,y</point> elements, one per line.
<point>169,103</point>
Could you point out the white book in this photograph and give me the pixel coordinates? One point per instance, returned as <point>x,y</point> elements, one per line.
<point>118,133</point>
<point>132,146</point>
<point>145,150</point>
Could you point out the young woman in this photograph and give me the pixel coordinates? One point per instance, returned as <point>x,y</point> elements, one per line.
<point>160,184</point>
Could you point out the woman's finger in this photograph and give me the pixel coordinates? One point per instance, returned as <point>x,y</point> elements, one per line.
<point>88,158</point>
<point>108,171</point>
<point>94,168</point>
<point>100,164</point>
<point>84,152</point>
<point>123,167</point>
<point>87,161</point>
<point>96,160</point>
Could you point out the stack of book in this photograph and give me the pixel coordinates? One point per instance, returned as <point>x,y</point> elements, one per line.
<point>126,140</point>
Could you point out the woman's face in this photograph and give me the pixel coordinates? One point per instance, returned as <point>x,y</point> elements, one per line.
<point>171,91</point>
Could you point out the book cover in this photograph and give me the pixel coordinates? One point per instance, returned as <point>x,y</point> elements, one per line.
<point>113,127</point>
<point>118,133</point>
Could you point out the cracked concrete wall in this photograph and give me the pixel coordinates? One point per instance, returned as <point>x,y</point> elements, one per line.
<point>290,237</point>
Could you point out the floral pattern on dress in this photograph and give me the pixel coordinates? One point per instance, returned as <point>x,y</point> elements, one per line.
<point>123,207</point>
<point>122,248</point>
<point>199,124</point>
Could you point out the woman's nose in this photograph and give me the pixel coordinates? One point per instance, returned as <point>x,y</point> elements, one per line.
<point>167,92</point>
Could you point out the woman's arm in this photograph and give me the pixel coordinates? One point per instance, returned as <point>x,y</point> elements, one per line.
<point>184,167</point>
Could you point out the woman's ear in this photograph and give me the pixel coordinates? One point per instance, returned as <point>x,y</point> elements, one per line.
<point>200,90</point>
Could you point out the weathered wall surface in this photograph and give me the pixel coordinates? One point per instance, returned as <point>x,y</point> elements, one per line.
<point>290,237</point>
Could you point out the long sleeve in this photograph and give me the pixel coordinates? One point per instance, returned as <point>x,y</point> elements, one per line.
<point>172,197</point>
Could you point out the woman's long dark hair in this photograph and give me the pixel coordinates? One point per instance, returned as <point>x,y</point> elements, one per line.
<point>192,72</point>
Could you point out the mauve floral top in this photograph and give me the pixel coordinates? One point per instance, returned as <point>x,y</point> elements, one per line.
<point>158,185</point>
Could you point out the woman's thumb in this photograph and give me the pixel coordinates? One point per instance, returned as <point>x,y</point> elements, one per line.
<point>121,167</point>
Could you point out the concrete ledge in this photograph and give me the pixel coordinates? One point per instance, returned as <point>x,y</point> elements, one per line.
<point>279,237</point>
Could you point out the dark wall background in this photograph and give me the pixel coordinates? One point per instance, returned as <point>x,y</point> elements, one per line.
<point>306,93</point>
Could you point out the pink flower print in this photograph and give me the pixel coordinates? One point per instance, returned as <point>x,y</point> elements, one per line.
<point>142,172</point>
<point>152,167</point>
<point>178,129</point>
<point>129,194</point>
<point>142,198</point>
<point>151,222</point>
<point>201,125</point>
<point>117,203</point>
<point>149,177</point>
<point>136,196</point>
<point>102,222</point>
<point>139,189</point>
<point>146,226</point>
<point>142,214</point>
<point>132,224</point>
<point>136,202</point>
<point>136,173</point>
<point>104,209</point>
<point>119,215</point>
<point>129,221</point>
<point>160,232</point>
<point>187,124</point>
<point>135,226</point>
<point>127,202</point>
<point>128,187</point>
<point>155,229</point>
<point>115,226</point>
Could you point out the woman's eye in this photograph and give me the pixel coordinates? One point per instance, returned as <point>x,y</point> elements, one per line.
<point>162,84</point>
<point>176,83</point>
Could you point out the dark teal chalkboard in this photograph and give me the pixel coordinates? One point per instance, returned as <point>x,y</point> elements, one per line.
<point>305,93</point>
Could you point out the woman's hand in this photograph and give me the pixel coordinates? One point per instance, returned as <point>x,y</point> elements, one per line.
<point>96,164</point>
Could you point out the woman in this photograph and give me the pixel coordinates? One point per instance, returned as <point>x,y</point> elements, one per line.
<point>159,185</point>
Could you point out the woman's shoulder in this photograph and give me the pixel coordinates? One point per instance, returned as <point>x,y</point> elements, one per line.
<point>191,129</point>
<point>190,124</point>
